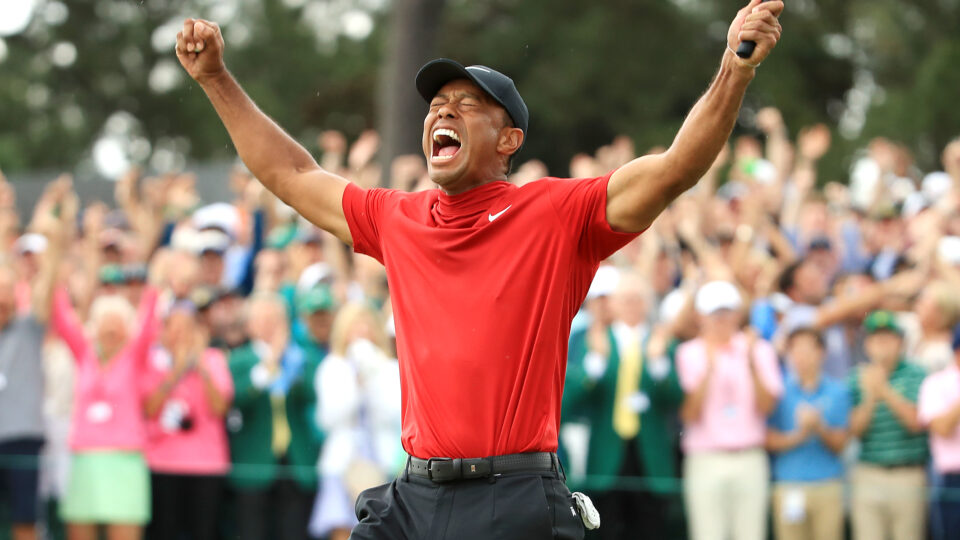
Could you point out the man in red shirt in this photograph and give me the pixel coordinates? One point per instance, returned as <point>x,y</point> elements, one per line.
<point>485,277</point>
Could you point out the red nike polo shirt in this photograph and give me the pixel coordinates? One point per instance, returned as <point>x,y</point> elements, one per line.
<point>484,286</point>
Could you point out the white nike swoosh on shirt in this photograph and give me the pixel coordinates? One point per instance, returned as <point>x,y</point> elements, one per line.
<point>492,217</point>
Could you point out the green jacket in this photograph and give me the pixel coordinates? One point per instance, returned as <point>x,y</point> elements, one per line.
<point>592,400</point>
<point>250,426</point>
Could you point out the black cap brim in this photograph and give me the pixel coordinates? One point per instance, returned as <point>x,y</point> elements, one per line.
<point>436,73</point>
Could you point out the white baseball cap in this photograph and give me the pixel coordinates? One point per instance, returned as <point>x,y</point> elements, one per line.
<point>604,282</point>
<point>31,243</point>
<point>313,275</point>
<point>220,215</point>
<point>211,240</point>
<point>949,249</point>
<point>936,185</point>
<point>717,295</point>
<point>672,304</point>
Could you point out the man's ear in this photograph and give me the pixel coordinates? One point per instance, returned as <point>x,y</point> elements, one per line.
<point>511,139</point>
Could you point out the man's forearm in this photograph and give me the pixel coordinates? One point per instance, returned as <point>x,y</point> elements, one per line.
<point>641,189</point>
<point>848,306</point>
<point>269,153</point>
<point>46,279</point>
<point>709,124</point>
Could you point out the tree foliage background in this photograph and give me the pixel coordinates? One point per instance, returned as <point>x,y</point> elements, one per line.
<point>99,77</point>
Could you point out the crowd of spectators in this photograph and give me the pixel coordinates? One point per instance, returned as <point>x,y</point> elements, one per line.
<point>776,350</point>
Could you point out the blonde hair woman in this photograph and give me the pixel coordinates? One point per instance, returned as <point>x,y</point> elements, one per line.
<point>937,311</point>
<point>109,483</point>
<point>358,407</point>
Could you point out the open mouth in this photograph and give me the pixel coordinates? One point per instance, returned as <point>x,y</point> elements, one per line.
<point>446,144</point>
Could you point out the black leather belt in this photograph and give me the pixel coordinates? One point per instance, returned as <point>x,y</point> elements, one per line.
<point>450,469</point>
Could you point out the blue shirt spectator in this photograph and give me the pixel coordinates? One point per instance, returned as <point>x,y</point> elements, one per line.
<point>811,460</point>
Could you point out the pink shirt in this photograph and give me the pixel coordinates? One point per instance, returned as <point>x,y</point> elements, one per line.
<point>201,448</point>
<point>107,404</point>
<point>939,393</point>
<point>729,420</point>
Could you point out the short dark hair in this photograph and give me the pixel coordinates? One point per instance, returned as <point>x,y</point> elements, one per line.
<point>788,277</point>
<point>806,331</point>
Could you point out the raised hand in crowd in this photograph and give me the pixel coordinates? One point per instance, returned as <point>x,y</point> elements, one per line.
<point>406,171</point>
<point>333,148</point>
<point>144,214</point>
<point>779,149</point>
<point>950,158</point>
<point>54,218</point>
<point>813,142</point>
<point>360,159</point>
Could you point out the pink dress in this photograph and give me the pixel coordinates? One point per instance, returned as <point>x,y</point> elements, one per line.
<point>186,437</point>
<point>108,405</point>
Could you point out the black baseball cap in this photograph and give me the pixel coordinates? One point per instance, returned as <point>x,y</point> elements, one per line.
<point>439,72</point>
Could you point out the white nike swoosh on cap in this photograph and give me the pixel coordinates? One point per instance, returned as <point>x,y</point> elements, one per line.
<point>492,217</point>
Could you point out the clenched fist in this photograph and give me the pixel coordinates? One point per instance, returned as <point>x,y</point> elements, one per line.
<point>758,22</point>
<point>200,49</point>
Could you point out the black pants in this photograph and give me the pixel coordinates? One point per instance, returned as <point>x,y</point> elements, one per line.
<point>185,506</point>
<point>279,512</point>
<point>20,479</point>
<point>946,524</point>
<point>529,506</point>
<point>631,514</point>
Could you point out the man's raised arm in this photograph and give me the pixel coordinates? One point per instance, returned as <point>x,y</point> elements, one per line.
<point>278,161</point>
<point>641,189</point>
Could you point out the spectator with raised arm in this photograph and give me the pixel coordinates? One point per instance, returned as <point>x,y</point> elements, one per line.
<point>937,311</point>
<point>806,287</point>
<point>22,367</point>
<point>109,481</point>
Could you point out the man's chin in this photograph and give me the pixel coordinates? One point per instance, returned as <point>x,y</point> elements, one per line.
<point>444,177</point>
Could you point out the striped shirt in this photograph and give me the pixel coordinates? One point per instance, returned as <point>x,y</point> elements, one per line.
<point>887,442</point>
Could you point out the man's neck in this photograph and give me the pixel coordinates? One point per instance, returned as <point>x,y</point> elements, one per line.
<point>463,185</point>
